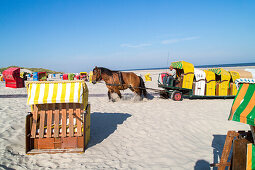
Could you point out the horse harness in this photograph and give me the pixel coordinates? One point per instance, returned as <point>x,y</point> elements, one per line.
<point>121,80</point>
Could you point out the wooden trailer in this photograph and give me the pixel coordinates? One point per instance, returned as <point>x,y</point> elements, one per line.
<point>60,117</point>
<point>194,83</point>
<point>243,110</point>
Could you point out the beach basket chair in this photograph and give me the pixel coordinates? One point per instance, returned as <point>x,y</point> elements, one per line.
<point>148,77</point>
<point>60,117</point>
<point>222,81</point>
<point>243,110</point>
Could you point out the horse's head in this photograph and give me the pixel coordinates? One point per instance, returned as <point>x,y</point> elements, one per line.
<point>96,75</point>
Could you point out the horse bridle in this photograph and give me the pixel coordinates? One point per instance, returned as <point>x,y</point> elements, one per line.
<point>100,76</point>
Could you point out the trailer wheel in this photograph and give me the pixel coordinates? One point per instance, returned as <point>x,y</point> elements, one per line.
<point>177,96</point>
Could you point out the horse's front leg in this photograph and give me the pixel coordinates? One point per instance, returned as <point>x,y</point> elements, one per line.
<point>115,90</point>
<point>119,94</point>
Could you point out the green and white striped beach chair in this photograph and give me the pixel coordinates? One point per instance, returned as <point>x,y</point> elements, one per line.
<point>243,110</point>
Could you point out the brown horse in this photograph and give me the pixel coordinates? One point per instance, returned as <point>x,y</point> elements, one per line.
<point>116,81</point>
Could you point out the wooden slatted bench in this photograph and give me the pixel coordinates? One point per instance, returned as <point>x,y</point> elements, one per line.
<point>57,127</point>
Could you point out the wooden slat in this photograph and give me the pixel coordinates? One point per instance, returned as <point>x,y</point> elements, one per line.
<point>63,110</point>
<point>56,120</point>
<point>27,132</point>
<point>226,150</point>
<point>49,119</point>
<point>253,132</point>
<point>35,114</point>
<point>53,151</point>
<point>42,119</point>
<point>70,111</point>
<point>78,114</point>
<point>239,154</point>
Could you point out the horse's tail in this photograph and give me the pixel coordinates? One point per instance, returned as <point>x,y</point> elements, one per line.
<point>142,87</point>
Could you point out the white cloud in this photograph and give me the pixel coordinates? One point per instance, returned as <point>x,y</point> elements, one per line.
<point>136,46</point>
<point>171,41</point>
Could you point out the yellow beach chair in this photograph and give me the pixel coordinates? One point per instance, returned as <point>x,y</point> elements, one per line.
<point>210,83</point>
<point>185,73</point>
<point>232,87</point>
<point>222,81</point>
<point>60,117</point>
<point>147,77</point>
<point>90,76</point>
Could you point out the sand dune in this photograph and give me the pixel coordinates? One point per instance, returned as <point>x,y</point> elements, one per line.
<point>128,134</point>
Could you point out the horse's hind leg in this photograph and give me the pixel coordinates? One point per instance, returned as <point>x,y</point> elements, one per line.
<point>137,91</point>
<point>109,94</point>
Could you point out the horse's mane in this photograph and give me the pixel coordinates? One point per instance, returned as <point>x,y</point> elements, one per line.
<point>107,71</point>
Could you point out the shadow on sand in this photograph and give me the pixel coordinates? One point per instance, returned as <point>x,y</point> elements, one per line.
<point>5,167</point>
<point>104,124</point>
<point>14,96</point>
<point>218,144</point>
<point>202,165</point>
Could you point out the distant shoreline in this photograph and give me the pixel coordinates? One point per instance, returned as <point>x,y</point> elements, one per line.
<point>198,66</point>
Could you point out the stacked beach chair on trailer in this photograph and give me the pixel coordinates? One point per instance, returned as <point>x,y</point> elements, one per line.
<point>199,82</point>
<point>60,117</point>
<point>243,110</point>
<point>193,83</point>
<point>210,83</point>
<point>222,81</point>
<point>232,87</point>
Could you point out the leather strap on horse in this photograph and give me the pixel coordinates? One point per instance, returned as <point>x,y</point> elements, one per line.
<point>120,80</point>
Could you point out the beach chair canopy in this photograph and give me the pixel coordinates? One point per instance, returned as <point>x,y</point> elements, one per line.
<point>243,108</point>
<point>45,92</point>
<point>11,73</point>
<point>241,81</point>
<point>187,67</point>
<point>210,76</point>
<point>83,73</point>
<point>188,70</point>
<point>234,75</point>
<point>225,75</point>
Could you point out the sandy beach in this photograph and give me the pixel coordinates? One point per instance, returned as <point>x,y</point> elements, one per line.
<point>151,134</point>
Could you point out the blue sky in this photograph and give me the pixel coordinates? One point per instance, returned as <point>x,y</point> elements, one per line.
<point>76,35</point>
